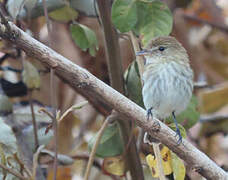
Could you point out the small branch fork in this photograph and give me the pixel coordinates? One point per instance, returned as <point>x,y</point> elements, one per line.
<point>95,90</point>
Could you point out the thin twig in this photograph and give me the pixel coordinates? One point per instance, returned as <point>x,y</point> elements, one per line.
<point>130,139</point>
<point>139,59</point>
<point>140,63</point>
<point>13,172</point>
<point>52,95</point>
<point>72,108</point>
<point>33,120</point>
<point>201,84</point>
<point>35,160</point>
<point>47,21</point>
<point>23,166</point>
<point>158,156</point>
<point>94,148</point>
<point>55,129</point>
<point>62,159</point>
<point>212,118</point>
<point>43,110</point>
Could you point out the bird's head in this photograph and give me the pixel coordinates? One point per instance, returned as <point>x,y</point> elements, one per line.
<point>164,49</point>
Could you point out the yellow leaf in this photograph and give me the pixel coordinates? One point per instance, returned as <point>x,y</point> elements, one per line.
<point>178,167</point>
<point>114,165</point>
<point>166,162</point>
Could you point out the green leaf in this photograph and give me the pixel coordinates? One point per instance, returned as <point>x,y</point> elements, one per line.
<point>190,116</point>
<point>111,143</point>
<point>30,75</point>
<point>146,18</point>
<point>84,37</point>
<point>154,19</point>
<point>64,14</point>
<point>133,84</point>
<point>124,14</point>
<point>179,170</point>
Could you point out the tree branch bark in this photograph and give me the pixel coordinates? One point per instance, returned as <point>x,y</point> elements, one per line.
<point>95,90</point>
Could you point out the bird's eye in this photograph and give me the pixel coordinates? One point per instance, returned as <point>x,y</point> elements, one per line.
<point>161,48</point>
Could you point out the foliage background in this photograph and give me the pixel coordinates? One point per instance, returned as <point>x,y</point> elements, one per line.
<point>200,25</point>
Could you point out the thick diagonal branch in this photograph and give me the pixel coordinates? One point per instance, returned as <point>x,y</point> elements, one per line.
<point>95,90</point>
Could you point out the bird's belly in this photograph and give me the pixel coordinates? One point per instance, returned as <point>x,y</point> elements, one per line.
<point>171,101</point>
<point>165,94</point>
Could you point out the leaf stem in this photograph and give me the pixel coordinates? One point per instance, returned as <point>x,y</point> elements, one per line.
<point>52,95</point>
<point>33,120</point>
<point>94,148</point>
<point>139,59</point>
<point>35,160</point>
<point>159,161</point>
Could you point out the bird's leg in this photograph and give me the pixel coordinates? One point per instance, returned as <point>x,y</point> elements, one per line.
<point>177,128</point>
<point>149,113</point>
<point>148,139</point>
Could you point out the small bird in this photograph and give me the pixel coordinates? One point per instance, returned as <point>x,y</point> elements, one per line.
<point>167,80</point>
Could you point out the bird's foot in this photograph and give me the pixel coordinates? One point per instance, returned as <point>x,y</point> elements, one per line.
<point>177,129</point>
<point>149,113</point>
<point>179,136</point>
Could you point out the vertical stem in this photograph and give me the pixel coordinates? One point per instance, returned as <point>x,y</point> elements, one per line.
<point>33,120</point>
<point>54,123</point>
<point>139,59</point>
<point>159,161</point>
<point>116,77</point>
<point>94,149</point>
<point>140,63</point>
<point>47,21</point>
<point>52,95</point>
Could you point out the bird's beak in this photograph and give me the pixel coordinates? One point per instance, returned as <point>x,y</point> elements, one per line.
<point>143,52</point>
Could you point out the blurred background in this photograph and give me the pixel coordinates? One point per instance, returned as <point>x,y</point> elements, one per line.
<point>202,28</point>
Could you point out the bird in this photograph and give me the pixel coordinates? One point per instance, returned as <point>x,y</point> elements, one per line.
<point>167,80</point>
